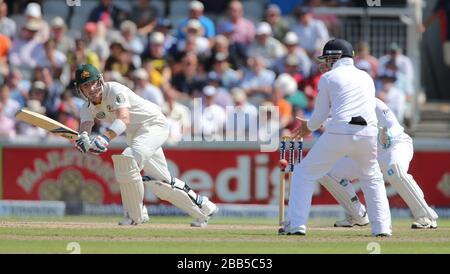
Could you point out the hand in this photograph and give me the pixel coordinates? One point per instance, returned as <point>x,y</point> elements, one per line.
<point>99,144</point>
<point>302,131</point>
<point>384,137</point>
<point>83,143</point>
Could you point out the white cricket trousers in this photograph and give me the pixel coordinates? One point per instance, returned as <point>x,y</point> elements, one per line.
<point>400,153</point>
<point>145,145</point>
<point>328,149</point>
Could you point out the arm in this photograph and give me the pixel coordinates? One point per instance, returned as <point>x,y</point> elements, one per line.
<point>101,142</point>
<point>321,107</point>
<point>119,125</point>
<point>86,126</point>
<point>319,115</point>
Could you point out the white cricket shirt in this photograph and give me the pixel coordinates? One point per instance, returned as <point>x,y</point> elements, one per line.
<point>344,92</point>
<point>115,96</point>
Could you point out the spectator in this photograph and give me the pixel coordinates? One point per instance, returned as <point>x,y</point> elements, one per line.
<point>7,25</point>
<point>265,45</point>
<point>7,125</point>
<point>196,12</point>
<point>393,97</point>
<point>268,123</point>
<point>330,20</point>
<point>156,78</point>
<point>402,82</point>
<point>287,6</point>
<point>212,120</point>
<point>145,89</point>
<point>279,26</point>
<point>120,60</point>
<point>25,48</point>
<point>178,116</point>
<point>66,116</point>
<point>291,67</point>
<point>242,118</point>
<point>222,97</point>
<point>188,82</point>
<point>107,8</point>
<point>53,89</point>
<point>194,40</point>
<point>215,6</point>
<point>289,88</point>
<point>18,87</point>
<point>363,55</point>
<point>144,14</point>
<point>5,46</point>
<point>10,106</point>
<point>164,25</point>
<point>82,55</point>
<point>257,82</point>
<point>441,11</point>
<point>244,30</point>
<point>132,41</point>
<point>64,43</point>
<point>96,42</point>
<point>302,62</point>
<point>28,130</point>
<point>38,92</point>
<point>52,59</point>
<point>237,51</point>
<point>312,33</point>
<point>285,108</point>
<point>402,62</point>
<point>228,77</point>
<point>33,13</point>
<point>72,104</point>
<point>156,54</point>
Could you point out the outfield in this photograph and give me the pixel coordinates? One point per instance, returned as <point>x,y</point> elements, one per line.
<point>223,235</point>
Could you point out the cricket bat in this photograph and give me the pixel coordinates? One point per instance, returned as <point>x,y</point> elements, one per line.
<point>42,121</point>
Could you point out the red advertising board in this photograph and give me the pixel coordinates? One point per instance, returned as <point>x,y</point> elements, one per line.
<point>228,176</point>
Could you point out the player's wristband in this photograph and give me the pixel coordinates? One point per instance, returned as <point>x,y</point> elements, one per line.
<point>118,127</point>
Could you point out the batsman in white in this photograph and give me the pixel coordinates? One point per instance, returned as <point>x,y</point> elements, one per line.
<point>395,152</point>
<point>348,94</point>
<point>146,131</point>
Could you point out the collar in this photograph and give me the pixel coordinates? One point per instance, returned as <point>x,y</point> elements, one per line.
<point>346,61</point>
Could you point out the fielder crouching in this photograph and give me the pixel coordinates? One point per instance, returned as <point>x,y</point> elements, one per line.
<point>395,152</point>
<point>146,131</point>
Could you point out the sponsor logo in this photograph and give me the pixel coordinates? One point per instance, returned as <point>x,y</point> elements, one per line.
<point>100,115</point>
<point>85,74</point>
<point>120,99</point>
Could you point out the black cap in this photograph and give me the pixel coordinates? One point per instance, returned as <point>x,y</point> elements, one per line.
<point>337,47</point>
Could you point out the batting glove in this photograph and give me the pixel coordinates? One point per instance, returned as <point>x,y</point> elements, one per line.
<point>99,144</point>
<point>83,143</point>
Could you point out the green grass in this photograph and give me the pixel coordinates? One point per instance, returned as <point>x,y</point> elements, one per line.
<point>223,235</point>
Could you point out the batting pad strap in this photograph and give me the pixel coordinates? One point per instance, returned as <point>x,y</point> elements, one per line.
<point>197,199</point>
<point>131,186</point>
<point>118,127</point>
<point>177,197</point>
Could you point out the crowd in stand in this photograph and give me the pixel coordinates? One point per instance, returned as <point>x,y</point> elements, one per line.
<point>228,62</point>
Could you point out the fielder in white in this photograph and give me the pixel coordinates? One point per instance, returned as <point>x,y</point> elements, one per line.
<point>348,94</point>
<point>395,152</point>
<point>146,131</point>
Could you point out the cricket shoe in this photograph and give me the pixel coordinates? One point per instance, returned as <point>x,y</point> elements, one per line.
<point>128,221</point>
<point>383,235</point>
<point>350,221</point>
<point>424,223</point>
<point>289,230</point>
<point>209,209</point>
